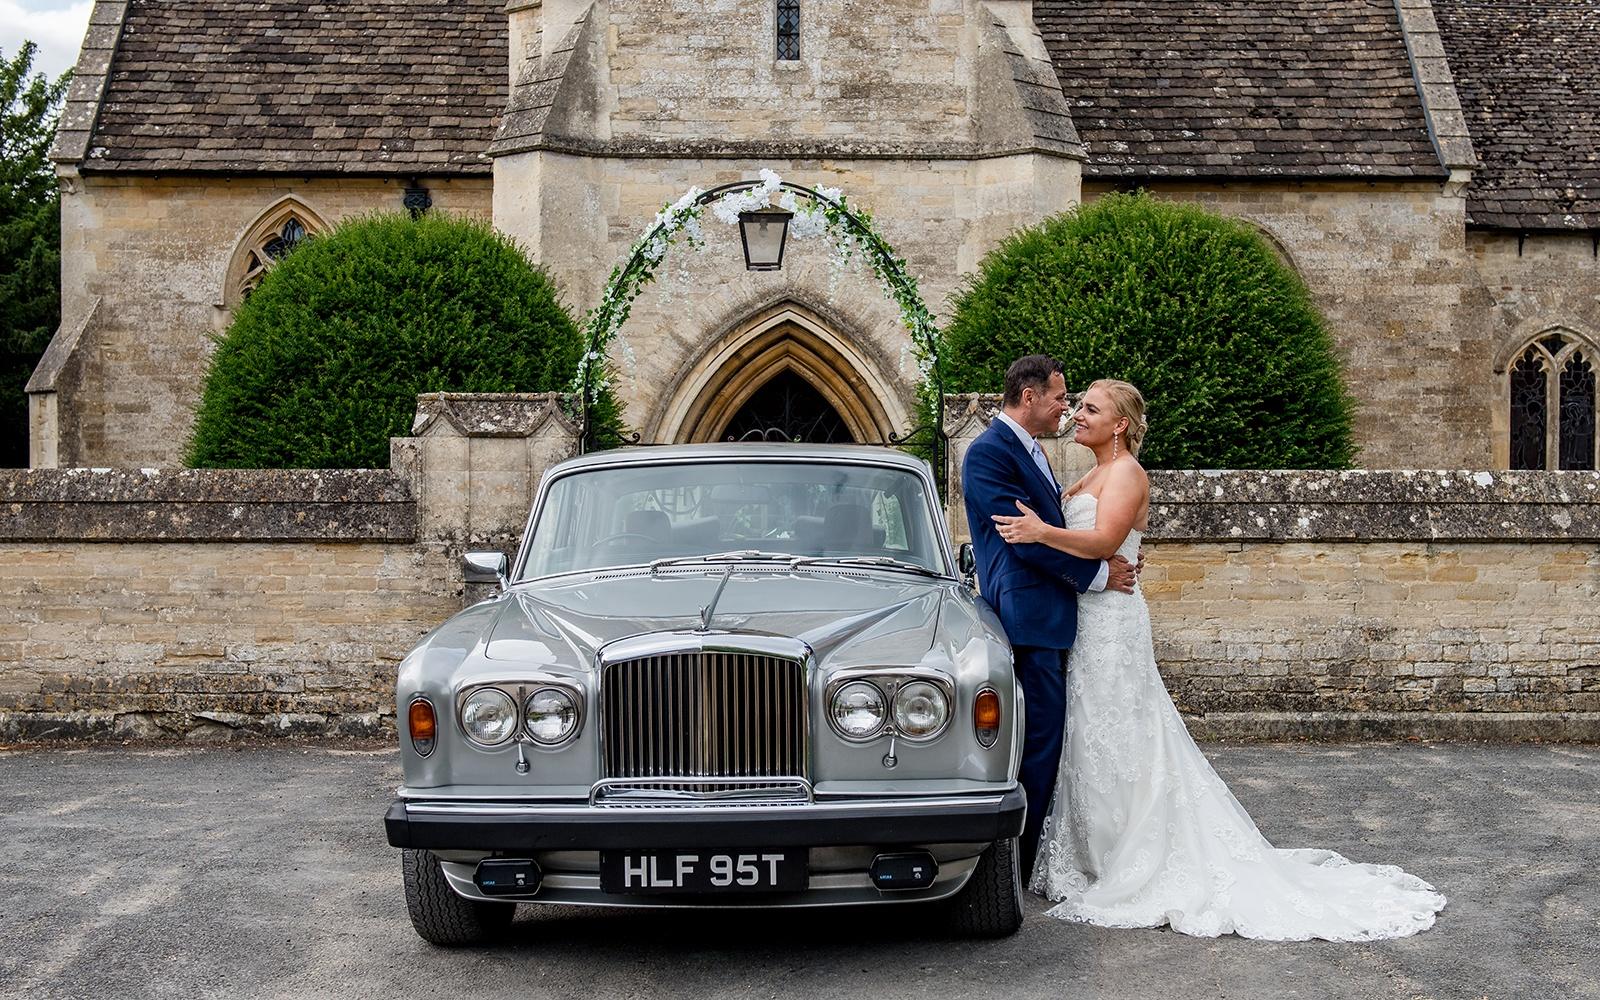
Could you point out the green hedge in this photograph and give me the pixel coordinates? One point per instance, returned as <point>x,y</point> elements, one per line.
<point>1194,309</point>
<point>324,360</point>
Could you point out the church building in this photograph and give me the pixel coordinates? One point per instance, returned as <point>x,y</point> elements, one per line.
<point>1430,168</point>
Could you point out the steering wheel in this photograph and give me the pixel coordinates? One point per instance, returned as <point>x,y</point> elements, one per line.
<point>624,536</point>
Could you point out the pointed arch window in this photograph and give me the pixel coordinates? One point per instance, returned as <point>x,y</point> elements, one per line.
<point>788,30</point>
<point>272,246</point>
<point>1554,410</point>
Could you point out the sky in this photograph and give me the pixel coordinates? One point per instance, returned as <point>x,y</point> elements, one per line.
<point>56,26</point>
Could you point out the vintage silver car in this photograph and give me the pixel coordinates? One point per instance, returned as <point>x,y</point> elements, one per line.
<point>715,676</point>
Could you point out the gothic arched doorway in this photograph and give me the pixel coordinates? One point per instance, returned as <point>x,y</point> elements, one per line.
<point>782,368</point>
<point>787,408</point>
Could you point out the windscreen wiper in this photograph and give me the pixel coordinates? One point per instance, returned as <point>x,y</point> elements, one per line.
<point>734,555</point>
<point>885,562</point>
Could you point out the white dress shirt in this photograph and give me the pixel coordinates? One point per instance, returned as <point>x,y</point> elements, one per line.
<point>1031,443</point>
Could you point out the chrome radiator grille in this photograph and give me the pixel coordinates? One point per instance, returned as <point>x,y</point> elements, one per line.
<point>704,714</point>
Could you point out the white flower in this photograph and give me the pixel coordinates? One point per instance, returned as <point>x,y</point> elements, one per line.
<point>807,224</point>
<point>687,201</point>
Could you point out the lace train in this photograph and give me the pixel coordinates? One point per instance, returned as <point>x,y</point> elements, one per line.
<point>1143,833</point>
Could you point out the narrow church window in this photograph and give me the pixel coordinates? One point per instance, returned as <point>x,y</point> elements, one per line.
<point>1554,410</point>
<point>1528,411</point>
<point>788,29</point>
<point>1577,413</point>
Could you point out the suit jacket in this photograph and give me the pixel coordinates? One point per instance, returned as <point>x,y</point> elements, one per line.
<point>1032,587</point>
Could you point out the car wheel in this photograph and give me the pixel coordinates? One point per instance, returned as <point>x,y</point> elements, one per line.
<point>990,904</point>
<point>440,916</point>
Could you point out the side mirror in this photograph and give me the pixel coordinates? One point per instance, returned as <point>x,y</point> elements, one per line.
<point>486,567</point>
<point>968,563</point>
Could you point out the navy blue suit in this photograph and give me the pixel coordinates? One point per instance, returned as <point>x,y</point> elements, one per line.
<point>1034,589</point>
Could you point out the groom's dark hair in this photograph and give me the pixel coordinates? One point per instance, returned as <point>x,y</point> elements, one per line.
<point>1031,372</point>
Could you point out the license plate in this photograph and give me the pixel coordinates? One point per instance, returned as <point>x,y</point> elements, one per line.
<point>703,871</point>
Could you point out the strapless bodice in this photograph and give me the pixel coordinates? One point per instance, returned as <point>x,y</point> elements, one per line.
<point>1078,513</point>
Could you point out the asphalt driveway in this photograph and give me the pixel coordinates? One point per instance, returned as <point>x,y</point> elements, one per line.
<point>262,871</point>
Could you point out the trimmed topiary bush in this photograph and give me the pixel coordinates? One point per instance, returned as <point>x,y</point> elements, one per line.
<point>324,360</point>
<point>1194,309</point>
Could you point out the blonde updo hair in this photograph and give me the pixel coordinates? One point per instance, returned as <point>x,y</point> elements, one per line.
<point>1128,402</point>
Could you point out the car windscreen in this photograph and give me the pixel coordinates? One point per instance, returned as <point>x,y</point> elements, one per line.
<point>630,515</point>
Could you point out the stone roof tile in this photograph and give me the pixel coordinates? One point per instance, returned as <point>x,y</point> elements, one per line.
<point>353,86</point>
<point>1528,73</point>
<point>1294,88</point>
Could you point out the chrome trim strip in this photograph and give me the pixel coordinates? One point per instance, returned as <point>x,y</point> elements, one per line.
<point>843,807</point>
<point>638,647</point>
<point>647,791</point>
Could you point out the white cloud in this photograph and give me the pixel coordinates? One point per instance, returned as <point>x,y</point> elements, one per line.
<point>56,26</point>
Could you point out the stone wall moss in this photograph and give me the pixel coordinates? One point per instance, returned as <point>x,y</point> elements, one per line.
<point>324,361</point>
<point>1196,310</point>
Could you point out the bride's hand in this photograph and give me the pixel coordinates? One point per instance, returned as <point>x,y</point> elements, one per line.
<point>1026,528</point>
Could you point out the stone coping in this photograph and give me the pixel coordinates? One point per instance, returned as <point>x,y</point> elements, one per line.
<point>1188,505</point>
<point>1374,505</point>
<point>155,505</point>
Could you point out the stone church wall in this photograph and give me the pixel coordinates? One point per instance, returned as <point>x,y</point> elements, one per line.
<point>582,213</point>
<point>155,254</point>
<point>898,72</point>
<point>1529,285</point>
<point>1387,265</point>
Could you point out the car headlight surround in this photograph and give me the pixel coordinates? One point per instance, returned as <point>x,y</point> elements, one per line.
<point>489,717</point>
<point>921,710</point>
<point>914,704</point>
<point>551,716</point>
<point>858,711</point>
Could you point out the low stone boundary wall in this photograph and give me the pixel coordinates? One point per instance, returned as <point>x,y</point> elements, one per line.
<point>1461,604</point>
<point>1284,604</point>
<point>194,602</point>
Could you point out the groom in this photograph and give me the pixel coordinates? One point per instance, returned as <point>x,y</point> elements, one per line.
<point>1032,587</point>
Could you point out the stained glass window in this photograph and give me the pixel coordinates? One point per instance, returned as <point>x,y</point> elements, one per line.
<point>789,29</point>
<point>1576,432</point>
<point>1528,410</point>
<point>274,247</point>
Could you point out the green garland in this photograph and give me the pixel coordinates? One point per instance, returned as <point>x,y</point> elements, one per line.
<point>826,212</point>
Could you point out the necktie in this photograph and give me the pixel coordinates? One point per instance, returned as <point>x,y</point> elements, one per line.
<point>1044,466</point>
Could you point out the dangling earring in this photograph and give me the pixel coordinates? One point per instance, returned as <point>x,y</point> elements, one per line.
<point>1114,437</point>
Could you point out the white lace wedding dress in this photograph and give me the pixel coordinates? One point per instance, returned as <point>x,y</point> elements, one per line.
<point>1143,832</point>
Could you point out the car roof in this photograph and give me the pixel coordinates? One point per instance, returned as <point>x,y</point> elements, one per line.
<point>745,452</point>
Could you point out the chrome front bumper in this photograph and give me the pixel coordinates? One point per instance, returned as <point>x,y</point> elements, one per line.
<point>841,837</point>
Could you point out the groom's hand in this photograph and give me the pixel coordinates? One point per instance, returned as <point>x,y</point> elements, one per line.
<point>1122,575</point>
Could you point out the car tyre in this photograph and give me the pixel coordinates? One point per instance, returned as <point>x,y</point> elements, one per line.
<point>440,916</point>
<point>990,904</point>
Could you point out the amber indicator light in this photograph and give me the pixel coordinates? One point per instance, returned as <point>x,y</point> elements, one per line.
<point>986,711</point>
<point>422,721</point>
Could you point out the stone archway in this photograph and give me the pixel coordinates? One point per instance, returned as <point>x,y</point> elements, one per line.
<point>785,341</point>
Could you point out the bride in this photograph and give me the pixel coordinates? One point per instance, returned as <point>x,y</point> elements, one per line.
<point>1142,832</point>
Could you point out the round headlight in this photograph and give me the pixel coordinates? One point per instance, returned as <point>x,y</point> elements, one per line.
<point>859,710</point>
<point>920,710</point>
<point>552,716</point>
<point>489,716</point>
